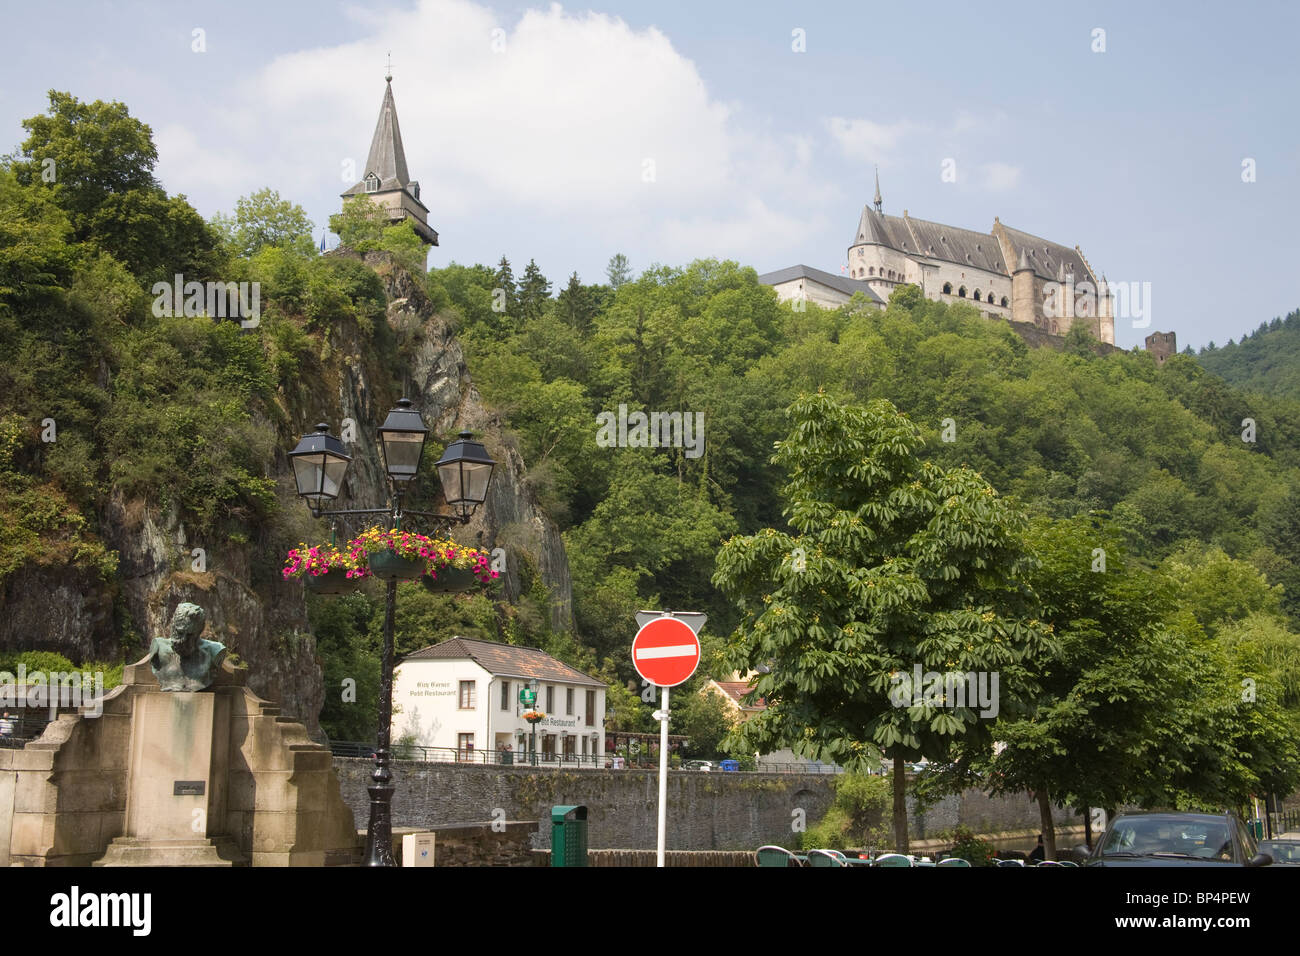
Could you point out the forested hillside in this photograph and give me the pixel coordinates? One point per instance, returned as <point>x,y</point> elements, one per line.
<point>1267,360</point>
<point>171,430</point>
<point>1064,432</point>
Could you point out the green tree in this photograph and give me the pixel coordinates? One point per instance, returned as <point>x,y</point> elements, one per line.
<point>618,271</point>
<point>360,225</point>
<point>705,720</point>
<point>505,281</point>
<point>534,291</point>
<point>264,219</point>
<point>576,305</point>
<point>895,564</point>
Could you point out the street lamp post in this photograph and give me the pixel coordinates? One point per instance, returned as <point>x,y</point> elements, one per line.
<point>465,470</point>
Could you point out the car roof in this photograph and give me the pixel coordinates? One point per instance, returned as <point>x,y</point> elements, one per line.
<point>1217,817</point>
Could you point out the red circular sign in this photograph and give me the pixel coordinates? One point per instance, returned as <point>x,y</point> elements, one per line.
<point>665,652</point>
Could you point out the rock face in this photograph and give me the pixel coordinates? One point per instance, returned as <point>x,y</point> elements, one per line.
<point>258,616</point>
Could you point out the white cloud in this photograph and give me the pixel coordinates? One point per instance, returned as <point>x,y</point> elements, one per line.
<point>560,124</point>
<point>867,140</point>
<point>1000,176</point>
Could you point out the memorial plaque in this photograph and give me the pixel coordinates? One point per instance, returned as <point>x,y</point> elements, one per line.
<point>188,788</point>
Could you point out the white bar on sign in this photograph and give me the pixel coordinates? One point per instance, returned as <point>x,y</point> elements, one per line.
<point>668,650</point>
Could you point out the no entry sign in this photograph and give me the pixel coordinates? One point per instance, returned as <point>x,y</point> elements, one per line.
<point>665,652</point>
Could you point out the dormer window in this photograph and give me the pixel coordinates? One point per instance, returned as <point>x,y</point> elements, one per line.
<point>372,183</point>
<point>414,189</point>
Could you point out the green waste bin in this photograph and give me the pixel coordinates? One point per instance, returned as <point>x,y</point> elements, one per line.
<point>568,836</point>
<point>1257,828</point>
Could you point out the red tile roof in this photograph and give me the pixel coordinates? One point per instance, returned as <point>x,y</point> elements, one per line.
<point>736,690</point>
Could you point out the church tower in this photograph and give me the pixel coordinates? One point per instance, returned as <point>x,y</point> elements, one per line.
<point>385,181</point>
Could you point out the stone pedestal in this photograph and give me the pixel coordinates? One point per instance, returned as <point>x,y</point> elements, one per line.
<point>180,745</point>
<point>150,778</point>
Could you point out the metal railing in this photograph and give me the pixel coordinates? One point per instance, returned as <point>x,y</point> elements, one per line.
<point>500,758</point>
<point>16,732</point>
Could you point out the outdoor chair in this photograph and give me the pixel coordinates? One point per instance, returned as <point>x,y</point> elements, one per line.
<point>775,856</point>
<point>826,858</point>
<point>892,859</point>
<point>954,861</point>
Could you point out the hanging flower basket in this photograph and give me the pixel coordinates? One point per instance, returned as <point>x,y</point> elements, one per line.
<point>533,716</point>
<point>450,580</point>
<point>389,565</point>
<point>443,565</point>
<point>323,568</point>
<point>333,581</point>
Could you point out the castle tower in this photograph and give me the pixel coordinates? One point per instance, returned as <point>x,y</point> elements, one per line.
<point>1023,304</point>
<point>1105,313</point>
<point>1161,345</point>
<point>386,182</point>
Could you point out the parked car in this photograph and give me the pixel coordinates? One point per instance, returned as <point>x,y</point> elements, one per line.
<point>698,765</point>
<point>1174,839</point>
<point>1283,852</point>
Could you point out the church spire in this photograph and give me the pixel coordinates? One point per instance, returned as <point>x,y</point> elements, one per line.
<point>877,200</point>
<point>387,159</point>
<point>386,180</point>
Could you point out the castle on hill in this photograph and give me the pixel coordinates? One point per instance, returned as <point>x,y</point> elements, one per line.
<point>1005,273</point>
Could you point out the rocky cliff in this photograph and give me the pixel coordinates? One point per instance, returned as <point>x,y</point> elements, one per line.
<point>357,376</point>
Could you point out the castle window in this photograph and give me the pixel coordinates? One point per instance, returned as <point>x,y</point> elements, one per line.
<point>372,183</point>
<point>962,292</point>
<point>860,253</point>
<point>872,270</point>
<point>947,288</point>
<point>1004,302</point>
<point>977,295</point>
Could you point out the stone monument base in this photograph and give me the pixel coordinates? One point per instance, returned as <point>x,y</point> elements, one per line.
<point>145,777</point>
<point>125,851</point>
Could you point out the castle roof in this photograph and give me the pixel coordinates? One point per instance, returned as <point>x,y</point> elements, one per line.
<point>962,246</point>
<point>829,279</point>
<point>919,237</point>
<point>1049,260</point>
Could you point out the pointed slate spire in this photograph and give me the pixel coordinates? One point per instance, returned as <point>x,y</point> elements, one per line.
<point>387,158</point>
<point>1024,261</point>
<point>877,200</point>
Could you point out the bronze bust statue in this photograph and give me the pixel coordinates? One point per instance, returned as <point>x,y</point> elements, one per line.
<point>185,661</point>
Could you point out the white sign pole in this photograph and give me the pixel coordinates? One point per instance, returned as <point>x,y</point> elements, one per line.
<point>663,768</point>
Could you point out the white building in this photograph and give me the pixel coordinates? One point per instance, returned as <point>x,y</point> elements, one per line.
<point>464,695</point>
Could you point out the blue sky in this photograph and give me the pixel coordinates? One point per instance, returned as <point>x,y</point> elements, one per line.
<point>671,131</point>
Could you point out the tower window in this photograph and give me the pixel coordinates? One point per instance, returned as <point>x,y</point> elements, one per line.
<point>1004,302</point>
<point>962,292</point>
<point>977,295</point>
<point>947,288</point>
<point>872,270</point>
<point>372,183</point>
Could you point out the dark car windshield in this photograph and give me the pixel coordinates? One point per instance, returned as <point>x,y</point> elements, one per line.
<point>1193,840</point>
<point>1281,852</point>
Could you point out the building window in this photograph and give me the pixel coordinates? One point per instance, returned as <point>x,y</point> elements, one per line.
<point>372,183</point>
<point>467,695</point>
<point>977,295</point>
<point>550,699</point>
<point>1004,302</point>
<point>465,744</point>
<point>947,288</point>
<point>872,270</point>
<point>962,292</point>
<point>505,695</point>
<point>591,708</point>
<point>568,702</point>
<point>415,190</point>
<point>861,253</point>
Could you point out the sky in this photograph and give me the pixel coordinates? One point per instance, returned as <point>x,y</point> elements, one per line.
<point>1161,138</point>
